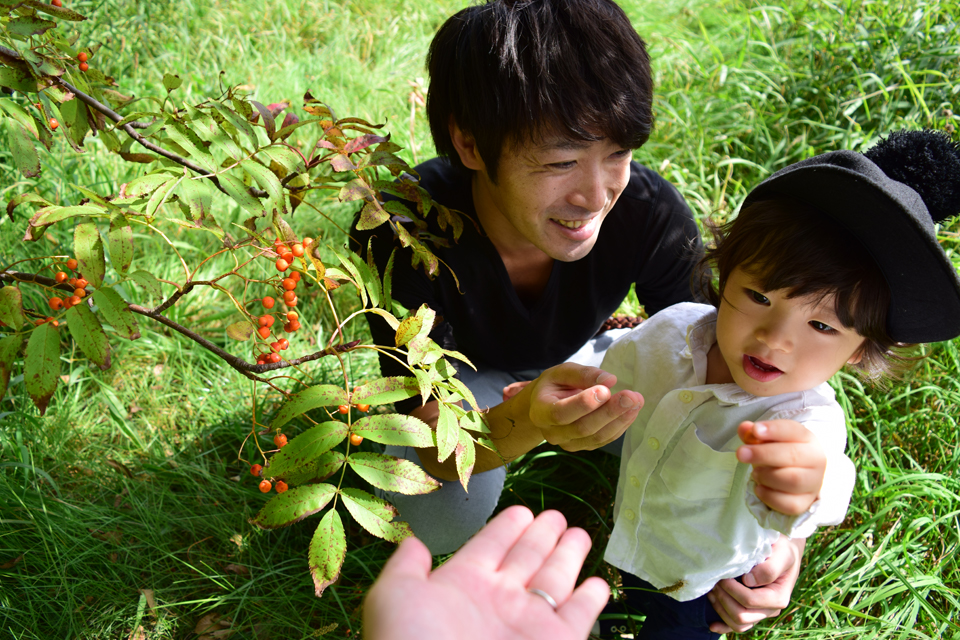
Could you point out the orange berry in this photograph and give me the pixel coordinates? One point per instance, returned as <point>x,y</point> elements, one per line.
<point>292,303</point>
<point>39,321</point>
<point>282,265</point>
<point>261,360</point>
<point>284,344</point>
<point>295,276</point>
<point>293,315</point>
<point>280,440</point>
<point>256,469</point>
<point>343,408</point>
<point>55,323</point>
<point>275,346</point>
<point>274,358</point>
<point>288,256</point>
<point>363,408</point>
<point>297,250</point>
<point>264,332</point>
<point>53,124</point>
<point>355,439</point>
<point>265,486</point>
<point>268,302</point>
<point>80,293</point>
<point>71,264</point>
<point>82,56</point>
<point>84,66</point>
<point>281,486</point>
<point>60,277</point>
<point>264,321</point>
<point>82,283</point>
<point>56,304</point>
<point>74,300</point>
<point>289,296</point>
<point>56,3</point>
<point>289,283</point>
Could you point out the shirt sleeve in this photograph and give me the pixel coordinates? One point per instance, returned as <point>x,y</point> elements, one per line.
<point>830,507</point>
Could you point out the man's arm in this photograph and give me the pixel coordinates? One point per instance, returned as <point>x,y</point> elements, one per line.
<point>568,405</point>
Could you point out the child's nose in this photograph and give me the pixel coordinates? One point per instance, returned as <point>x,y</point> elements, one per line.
<point>776,335</point>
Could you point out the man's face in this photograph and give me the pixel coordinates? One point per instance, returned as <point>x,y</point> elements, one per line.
<point>553,195</point>
<point>773,344</point>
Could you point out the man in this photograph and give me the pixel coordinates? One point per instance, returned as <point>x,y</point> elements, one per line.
<point>535,107</point>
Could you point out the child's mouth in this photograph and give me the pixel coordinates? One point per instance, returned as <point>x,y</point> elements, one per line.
<point>760,370</point>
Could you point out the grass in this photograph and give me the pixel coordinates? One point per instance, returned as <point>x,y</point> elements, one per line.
<point>124,510</point>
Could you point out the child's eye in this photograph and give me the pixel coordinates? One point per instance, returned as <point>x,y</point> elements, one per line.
<point>758,297</point>
<point>822,327</point>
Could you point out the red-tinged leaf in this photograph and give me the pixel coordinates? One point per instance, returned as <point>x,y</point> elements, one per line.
<point>9,348</point>
<point>375,515</point>
<point>392,474</point>
<point>23,149</point>
<point>116,312</point>
<point>381,158</point>
<point>362,142</point>
<point>466,455</point>
<point>294,505</point>
<point>448,432</point>
<point>88,247</point>
<point>268,120</point>
<point>385,391</point>
<point>307,447</point>
<point>86,330</point>
<point>408,330</point>
<point>341,162</point>
<point>11,307</point>
<point>120,241</point>
<point>321,395</point>
<point>19,199</point>
<point>356,189</point>
<point>372,216</point>
<point>41,365</point>
<point>328,548</point>
<point>396,429</point>
<point>313,471</point>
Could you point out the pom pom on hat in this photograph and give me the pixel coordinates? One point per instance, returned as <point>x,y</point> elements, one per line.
<point>926,161</point>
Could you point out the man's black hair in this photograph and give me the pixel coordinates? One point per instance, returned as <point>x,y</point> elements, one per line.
<point>517,71</point>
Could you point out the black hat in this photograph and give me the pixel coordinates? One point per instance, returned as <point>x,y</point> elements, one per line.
<point>889,198</point>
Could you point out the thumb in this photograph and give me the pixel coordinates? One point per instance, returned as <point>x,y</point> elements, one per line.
<point>412,559</point>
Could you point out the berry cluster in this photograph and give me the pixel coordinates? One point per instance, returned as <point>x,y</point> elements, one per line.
<point>287,255</point>
<point>79,284</point>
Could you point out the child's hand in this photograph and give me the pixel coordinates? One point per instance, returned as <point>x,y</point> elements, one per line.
<point>788,463</point>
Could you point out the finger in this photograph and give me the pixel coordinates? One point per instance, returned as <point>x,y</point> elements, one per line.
<point>737,617</point>
<point>412,559</point>
<point>584,416</point>
<point>559,572</point>
<point>782,431</point>
<point>767,600</point>
<point>583,607</point>
<point>791,504</point>
<point>783,454</point>
<point>514,388</point>
<point>783,561</point>
<point>527,556</point>
<point>488,548</point>
<point>788,479</point>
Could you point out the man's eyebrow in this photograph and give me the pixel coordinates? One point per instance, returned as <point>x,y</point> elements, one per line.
<point>563,144</point>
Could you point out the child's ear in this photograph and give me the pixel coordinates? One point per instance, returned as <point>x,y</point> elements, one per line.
<point>857,355</point>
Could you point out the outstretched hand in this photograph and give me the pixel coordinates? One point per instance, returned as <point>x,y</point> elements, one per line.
<point>573,407</point>
<point>482,591</point>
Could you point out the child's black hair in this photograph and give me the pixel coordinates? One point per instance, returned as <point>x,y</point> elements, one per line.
<point>793,246</point>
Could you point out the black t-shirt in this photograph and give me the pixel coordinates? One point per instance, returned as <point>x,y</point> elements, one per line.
<point>648,238</point>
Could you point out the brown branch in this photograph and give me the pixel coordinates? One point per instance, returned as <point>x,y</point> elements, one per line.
<point>19,276</point>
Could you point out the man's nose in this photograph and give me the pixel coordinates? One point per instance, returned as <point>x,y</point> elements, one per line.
<point>591,192</point>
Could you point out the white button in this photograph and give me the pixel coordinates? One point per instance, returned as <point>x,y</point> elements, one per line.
<point>654,443</point>
<point>635,481</point>
<point>686,396</point>
<point>629,515</point>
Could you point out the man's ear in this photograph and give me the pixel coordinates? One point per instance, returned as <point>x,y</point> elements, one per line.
<point>466,147</point>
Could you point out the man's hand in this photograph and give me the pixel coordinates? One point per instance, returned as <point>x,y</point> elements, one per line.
<point>482,591</point>
<point>572,406</point>
<point>765,590</point>
<point>788,463</point>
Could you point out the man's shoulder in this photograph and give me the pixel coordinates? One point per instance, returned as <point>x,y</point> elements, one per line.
<point>650,193</point>
<point>447,184</point>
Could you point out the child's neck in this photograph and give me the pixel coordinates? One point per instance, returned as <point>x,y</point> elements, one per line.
<point>717,370</point>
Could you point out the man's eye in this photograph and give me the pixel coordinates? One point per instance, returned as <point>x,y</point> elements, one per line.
<point>563,165</point>
<point>623,153</point>
<point>822,327</point>
<point>758,297</point>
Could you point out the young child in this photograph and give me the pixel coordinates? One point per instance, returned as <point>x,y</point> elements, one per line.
<point>832,261</point>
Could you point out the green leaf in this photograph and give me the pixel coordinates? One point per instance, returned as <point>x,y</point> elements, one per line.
<point>448,432</point>
<point>392,474</point>
<point>75,119</point>
<point>285,157</point>
<point>197,194</point>
<point>321,395</point>
<point>21,116</point>
<point>464,391</point>
<point>466,457</point>
<point>307,447</point>
<point>328,548</point>
<point>408,330</point>
<point>9,348</point>
<point>473,420</point>
<point>171,82</point>
<point>387,279</point>
<point>148,281</point>
<point>116,312</point>
<point>241,330</point>
<point>370,280</point>
<point>375,515</point>
<point>145,185</point>
<point>11,307</point>
<point>41,364</point>
<point>386,315</point>
<point>238,121</point>
<point>191,143</point>
<point>50,215</point>
<point>269,182</point>
<point>294,505</point>
<point>23,149</point>
<point>395,428</point>
<point>30,26</point>
<point>312,471</point>
<point>88,247</point>
<point>426,386</point>
<point>356,189</point>
<point>18,80</point>
<point>346,259</point>
<point>86,330</point>
<point>159,197</point>
<point>385,391</point>
<point>120,240</point>
<point>238,191</point>
<point>372,215</point>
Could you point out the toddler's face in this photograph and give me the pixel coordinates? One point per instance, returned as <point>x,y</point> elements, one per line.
<point>773,344</point>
